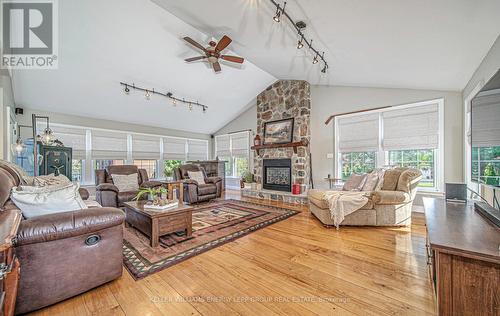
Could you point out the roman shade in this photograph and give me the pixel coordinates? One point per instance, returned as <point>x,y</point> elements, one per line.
<point>174,148</point>
<point>358,133</point>
<point>411,128</point>
<point>240,144</point>
<point>485,114</point>
<point>109,145</point>
<point>222,146</point>
<point>197,149</point>
<point>145,147</point>
<point>73,137</point>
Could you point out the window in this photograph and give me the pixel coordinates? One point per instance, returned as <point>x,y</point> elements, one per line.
<point>77,170</point>
<point>404,136</point>
<point>355,162</point>
<point>149,165</point>
<point>235,149</point>
<point>103,163</point>
<point>424,160</point>
<point>169,167</point>
<point>486,165</point>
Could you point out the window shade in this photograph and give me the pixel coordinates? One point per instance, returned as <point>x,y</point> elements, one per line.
<point>485,127</point>
<point>359,133</point>
<point>411,128</point>
<point>145,147</point>
<point>73,137</point>
<point>222,147</point>
<point>240,144</point>
<point>109,145</point>
<point>197,149</point>
<point>174,148</point>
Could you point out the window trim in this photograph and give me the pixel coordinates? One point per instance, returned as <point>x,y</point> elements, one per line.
<point>381,157</point>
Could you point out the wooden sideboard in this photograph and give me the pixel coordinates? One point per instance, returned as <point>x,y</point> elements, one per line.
<point>463,258</point>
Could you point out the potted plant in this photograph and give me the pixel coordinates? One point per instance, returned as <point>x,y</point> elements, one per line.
<point>247,179</point>
<point>156,195</point>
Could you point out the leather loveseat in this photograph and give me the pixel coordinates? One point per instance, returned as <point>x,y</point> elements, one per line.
<point>108,195</point>
<point>195,192</point>
<point>63,254</point>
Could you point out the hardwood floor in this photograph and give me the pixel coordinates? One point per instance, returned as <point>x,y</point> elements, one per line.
<point>294,267</point>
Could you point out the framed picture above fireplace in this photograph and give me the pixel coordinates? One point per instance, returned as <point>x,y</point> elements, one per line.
<point>278,132</point>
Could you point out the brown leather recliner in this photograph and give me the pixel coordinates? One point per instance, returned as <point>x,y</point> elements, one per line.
<point>195,192</point>
<point>63,254</point>
<point>108,195</point>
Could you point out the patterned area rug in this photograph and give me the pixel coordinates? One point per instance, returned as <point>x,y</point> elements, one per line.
<point>214,224</point>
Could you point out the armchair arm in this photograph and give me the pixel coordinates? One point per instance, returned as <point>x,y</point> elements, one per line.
<point>84,194</point>
<point>390,197</point>
<point>189,181</point>
<point>151,184</point>
<point>68,224</point>
<point>213,180</point>
<point>107,187</point>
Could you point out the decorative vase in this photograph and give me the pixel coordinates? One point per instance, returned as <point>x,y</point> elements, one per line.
<point>257,141</point>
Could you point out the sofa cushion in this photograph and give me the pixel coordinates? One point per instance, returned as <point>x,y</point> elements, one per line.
<point>38,201</point>
<point>51,179</point>
<point>355,182</point>
<point>196,176</point>
<point>317,197</point>
<point>125,182</point>
<point>370,182</point>
<point>408,180</point>
<point>205,189</point>
<point>390,197</point>
<point>391,178</point>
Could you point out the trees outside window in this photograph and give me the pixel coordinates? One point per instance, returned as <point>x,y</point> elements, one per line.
<point>422,159</point>
<point>169,167</point>
<point>357,162</point>
<point>486,165</point>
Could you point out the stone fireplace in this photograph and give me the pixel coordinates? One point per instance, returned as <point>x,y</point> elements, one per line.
<point>277,174</point>
<point>285,99</point>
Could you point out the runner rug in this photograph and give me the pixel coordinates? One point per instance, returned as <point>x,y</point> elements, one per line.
<point>214,224</point>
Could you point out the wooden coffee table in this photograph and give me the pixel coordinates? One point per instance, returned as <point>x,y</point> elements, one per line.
<point>156,223</point>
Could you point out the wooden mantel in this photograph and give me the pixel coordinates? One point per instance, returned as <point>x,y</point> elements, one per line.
<point>294,145</point>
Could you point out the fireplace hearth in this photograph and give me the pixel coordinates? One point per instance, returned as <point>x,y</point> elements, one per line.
<point>277,174</point>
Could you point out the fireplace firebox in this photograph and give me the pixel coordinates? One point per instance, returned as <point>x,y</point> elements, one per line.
<point>277,174</point>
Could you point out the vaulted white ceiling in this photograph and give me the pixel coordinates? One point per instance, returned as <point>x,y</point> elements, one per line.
<point>426,44</point>
<point>104,42</point>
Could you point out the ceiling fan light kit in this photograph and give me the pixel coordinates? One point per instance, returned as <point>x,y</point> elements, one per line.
<point>299,26</point>
<point>148,93</point>
<point>214,52</point>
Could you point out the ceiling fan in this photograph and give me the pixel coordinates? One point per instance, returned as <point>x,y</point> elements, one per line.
<point>213,52</point>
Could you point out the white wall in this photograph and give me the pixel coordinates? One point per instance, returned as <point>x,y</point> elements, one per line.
<point>245,121</point>
<point>6,99</point>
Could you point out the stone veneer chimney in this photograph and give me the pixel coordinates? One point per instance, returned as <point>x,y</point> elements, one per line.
<point>286,99</point>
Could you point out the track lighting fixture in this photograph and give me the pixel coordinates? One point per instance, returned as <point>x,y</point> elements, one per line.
<point>315,59</point>
<point>299,43</point>
<point>279,11</point>
<point>299,26</point>
<point>148,93</point>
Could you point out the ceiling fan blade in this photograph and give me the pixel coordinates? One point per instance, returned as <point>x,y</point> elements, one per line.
<point>234,59</point>
<point>216,66</point>
<point>194,43</point>
<point>195,58</point>
<point>223,43</point>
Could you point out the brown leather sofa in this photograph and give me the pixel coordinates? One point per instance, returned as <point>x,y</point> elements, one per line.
<point>108,195</point>
<point>63,254</point>
<point>194,192</point>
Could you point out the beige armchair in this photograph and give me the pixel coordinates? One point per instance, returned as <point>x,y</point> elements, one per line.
<point>389,206</point>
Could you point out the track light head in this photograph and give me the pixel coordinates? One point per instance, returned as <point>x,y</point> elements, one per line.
<point>315,60</point>
<point>324,69</point>
<point>127,90</point>
<point>147,95</point>
<point>299,43</point>
<point>277,16</point>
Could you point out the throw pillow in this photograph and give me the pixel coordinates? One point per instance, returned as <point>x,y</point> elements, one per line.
<point>196,176</point>
<point>126,182</point>
<point>37,201</point>
<point>391,178</point>
<point>355,182</point>
<point>51,179</point>
<point>371,182</point>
